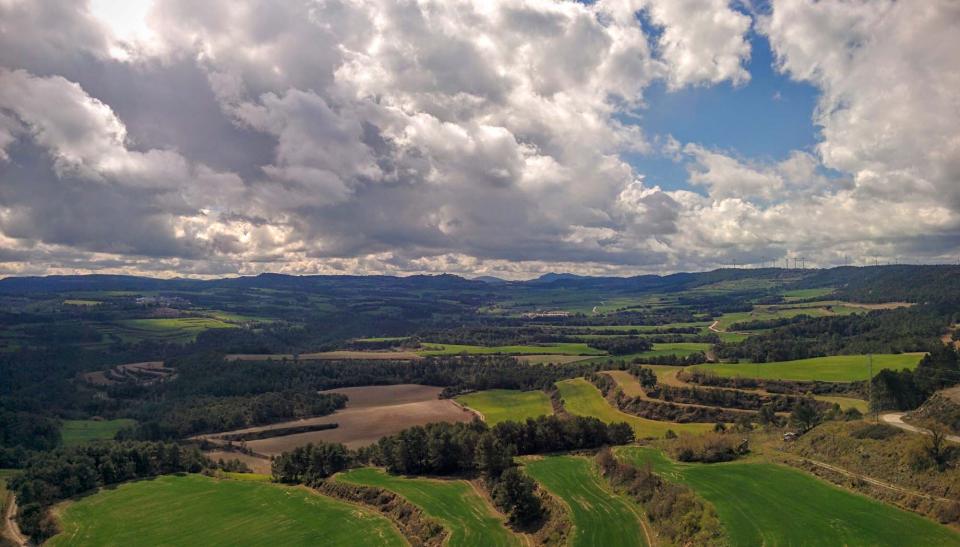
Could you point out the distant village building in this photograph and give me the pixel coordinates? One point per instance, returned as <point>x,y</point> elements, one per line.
<point>535,314</point>
<point>163,301</point>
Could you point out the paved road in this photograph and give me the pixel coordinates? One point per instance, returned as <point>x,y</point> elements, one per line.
<point>896,419</point>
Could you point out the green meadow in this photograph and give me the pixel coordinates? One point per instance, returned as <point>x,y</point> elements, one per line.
<point>453,502</point>
<point>769,504</point>
<point>197,510</point>
<point>837,368</point>
<point>500,405</point>
<point>74,432</point>
<point>600,517</point>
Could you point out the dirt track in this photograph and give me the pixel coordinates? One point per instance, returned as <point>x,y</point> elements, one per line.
<point>870,480</point>
<point>10,529</point>
<point>896,419</point>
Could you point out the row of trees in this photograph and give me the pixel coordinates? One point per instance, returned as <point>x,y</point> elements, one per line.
<point>621,345</point>
<point>729,398</point>
<point>786,387</point>
<point>678,514</point>
<point>445,448</point>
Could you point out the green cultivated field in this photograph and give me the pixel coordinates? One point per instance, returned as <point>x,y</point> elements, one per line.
<point>500,405</point>
<point>837,368</point>
<point>75,432</point>
<point>197,510</point>
<point>582,398</point>
<point>453,502</point>
<point>768,504</point>
<point>175,329</point>
<point>552,349</point>
<point>600,517</point>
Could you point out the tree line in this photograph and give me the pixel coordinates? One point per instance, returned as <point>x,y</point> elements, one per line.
<point>48,477</point>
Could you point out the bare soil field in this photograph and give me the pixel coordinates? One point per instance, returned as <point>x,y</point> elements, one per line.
<point>367,396</point>
<point>363,426</point>
<point>327,356</point>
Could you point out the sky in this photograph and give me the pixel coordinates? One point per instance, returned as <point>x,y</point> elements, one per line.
<point>505,137</point>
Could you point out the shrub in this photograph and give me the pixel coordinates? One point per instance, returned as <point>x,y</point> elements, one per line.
<point>706,448</point>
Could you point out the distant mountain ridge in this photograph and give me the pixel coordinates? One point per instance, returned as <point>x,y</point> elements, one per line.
<point>873,283</point>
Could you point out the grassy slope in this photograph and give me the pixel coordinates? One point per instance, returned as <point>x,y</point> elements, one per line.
<point>499,405</point>
<point>197,510</point>
<point>75,432</point>
<point>768,504</point>
<point>583,399</point>
<point>555,349</point>
<point>453,502</point>
<point>838,368</point>
<point>600,517</point>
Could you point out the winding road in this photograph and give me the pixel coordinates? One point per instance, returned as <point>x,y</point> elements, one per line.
<point>896,419</point>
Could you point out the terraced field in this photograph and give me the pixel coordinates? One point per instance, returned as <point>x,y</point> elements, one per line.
<point>600,517</point>
<point>500,405</point>
<point>582,398</point>
<point>838,368</point>
<point>75,432</point>
<point>768,504</point>
<point>455,503</point>
<point>197,510</point>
